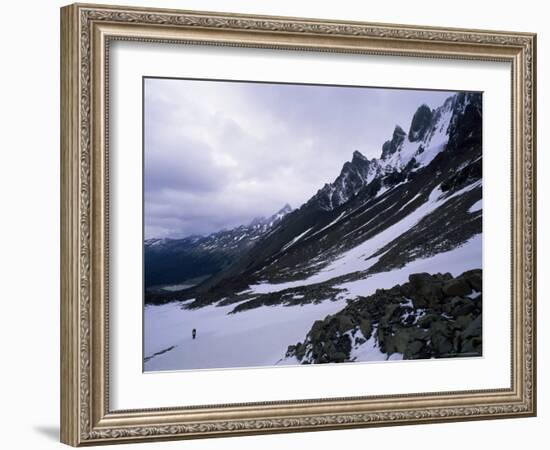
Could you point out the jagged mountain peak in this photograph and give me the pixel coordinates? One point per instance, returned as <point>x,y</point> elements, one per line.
<point>398,131</point>
<point>358,157</point>
<point>285,209</point>
<point>393,145</point>
<point>428,135</point>
<point>271,220</point>
<point>354,175</point>
<point>257,221</point>
<point>429,132</point>
<point>154,241</point>
<point>420,123</point>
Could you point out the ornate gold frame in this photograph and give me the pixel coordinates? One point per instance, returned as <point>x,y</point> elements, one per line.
<point>86,31</point>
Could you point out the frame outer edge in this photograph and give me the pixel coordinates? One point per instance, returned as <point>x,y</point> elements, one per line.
<point>533,235</point>
<point>70,299</point>
<point>79,391</point>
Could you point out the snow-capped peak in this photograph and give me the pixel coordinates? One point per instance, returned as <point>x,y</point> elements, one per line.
<point>428,135</point>
<point>154,242</point>
<point>268,222</point>
<point>355,174</point>
<point>393,145</point>
<point>285,210</point>
<point>420,124</point>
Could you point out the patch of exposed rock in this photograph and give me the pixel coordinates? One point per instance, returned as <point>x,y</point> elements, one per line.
<point>431,316</point>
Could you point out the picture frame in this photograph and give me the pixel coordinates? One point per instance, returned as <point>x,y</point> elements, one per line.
<point>87,33</point>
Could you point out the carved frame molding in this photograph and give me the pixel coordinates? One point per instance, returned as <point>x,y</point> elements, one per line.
<point>86,31</point>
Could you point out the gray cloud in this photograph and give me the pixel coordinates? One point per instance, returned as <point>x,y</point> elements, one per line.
<point>218,154</point>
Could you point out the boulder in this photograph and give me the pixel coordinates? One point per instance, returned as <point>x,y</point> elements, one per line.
<point>337,357</point>
<point>455,302</point>
<point>472,346</point>
<point>457,287</point>
<point>322,359</point>
<point>345,323</point>
<point>426,321</point>
<point>473,329</point>
<point>392,312</point>
<point>406,290</point>
<point>414,349</point>
<point>464,309</point>
<point>443,276</point>
<point>398,342</point>
<point>344,344</point>
<point>300,351</point>
<point>426,290</point>
<point>316,330</point>
<point>421,281</point>
<point>440,326</point>
<point>471,338</point>
<point>419,301</point>
<point>442,345</point>
<point>394,291</point>
<point>474,278</point>
<point>442,321</point>
<point>462,322</point>
<point>366,328</point>
<point>441,336</point>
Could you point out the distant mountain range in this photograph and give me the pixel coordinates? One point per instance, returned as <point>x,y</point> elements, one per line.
<point>420,198</point>
<point>191,259</point>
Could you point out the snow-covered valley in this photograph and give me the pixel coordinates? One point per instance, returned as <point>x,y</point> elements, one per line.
<point>260,336</point>
<point>256,337</point>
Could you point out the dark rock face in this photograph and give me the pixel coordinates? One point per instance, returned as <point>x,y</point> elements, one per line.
<point>457,287</point>
<point>431,316</point>
<point>354,176</point>
<point>390,147</point>
<point>475,279</point>
<point>421,122</point>
<point>465,128</point>
<point>463,176</point>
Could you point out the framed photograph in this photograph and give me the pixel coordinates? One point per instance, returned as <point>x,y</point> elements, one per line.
<point>278,224</point>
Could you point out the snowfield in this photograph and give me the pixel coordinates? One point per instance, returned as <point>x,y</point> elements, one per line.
<point>360,257</point>
<point>457,261</point>
<point>255,337</point>
<point>261,336</point>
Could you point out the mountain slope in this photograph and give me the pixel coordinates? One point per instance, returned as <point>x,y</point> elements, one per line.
<point>428,134</point>
<point>412,202</point>
<point>191,259</point>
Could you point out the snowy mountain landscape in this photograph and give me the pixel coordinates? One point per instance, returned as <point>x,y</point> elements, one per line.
<point>178,263</point>
<point>384,262</point>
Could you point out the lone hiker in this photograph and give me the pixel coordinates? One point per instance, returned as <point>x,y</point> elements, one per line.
<point>194,333</point>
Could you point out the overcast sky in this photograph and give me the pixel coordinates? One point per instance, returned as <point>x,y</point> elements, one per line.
<point>218,154</point>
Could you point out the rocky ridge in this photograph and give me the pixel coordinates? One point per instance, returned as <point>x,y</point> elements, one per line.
<point>429,130</point>
<point>174,261</point>
<point>431,316</point>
